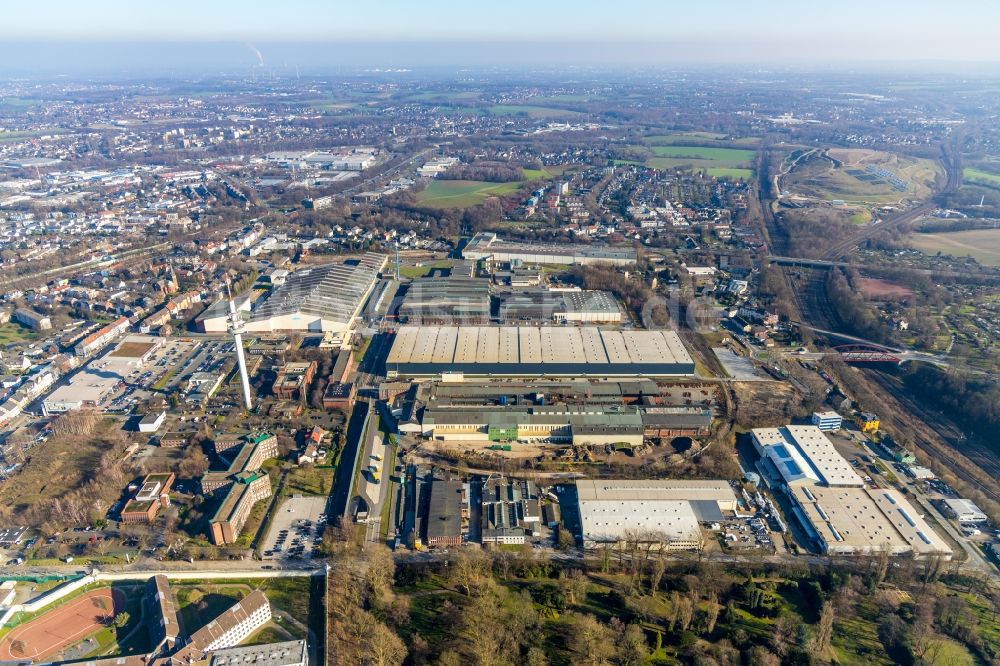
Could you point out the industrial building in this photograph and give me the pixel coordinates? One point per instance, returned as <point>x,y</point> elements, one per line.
<point>321,298</point>
<point>665,515</point>
<point>442,510</point>
<point>476,393</point>
<point>293,380</point>
<point>95,383</point>
<point>802,455</point>
<point>852,521</point>
<point>838,512</point>
<point>560,307</point>
<point>486,246</point>
<point>451,300</point>
<point>581,426</point>
<point>964,510</point>
<point>152,494</point>
<point>827,421</point>
<point>530,351</point>
<point>510,511</point>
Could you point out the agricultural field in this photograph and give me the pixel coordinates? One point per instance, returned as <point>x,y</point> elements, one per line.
<point>701,139</point>
<point>861,176</point>
<point>981,177</point>
<point>462,193</point>
<point>983,245</point>
<point>531,111</point>
<point>702,152</point>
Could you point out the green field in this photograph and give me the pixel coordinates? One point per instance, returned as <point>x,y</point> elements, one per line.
<point>453,96</point>
<point>535,174</point>
<point>701,153</point>
<point>981,177</point>
<point>983,245</point>
<point>700,139</point>
<point>11,332</point>
<point>462,193</point>
<point>424,270</point>
<point>531,111</point>
<point>719,161</point>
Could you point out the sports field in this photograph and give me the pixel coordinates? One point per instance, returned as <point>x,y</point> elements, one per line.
<point>62,626</point>
<point>983,245</point>
<point>462,193</point>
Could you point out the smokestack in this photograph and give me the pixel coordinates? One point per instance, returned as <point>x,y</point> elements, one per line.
<point>236,330</point>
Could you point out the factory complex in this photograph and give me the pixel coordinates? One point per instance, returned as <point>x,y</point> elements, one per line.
<point>531,351</point>
<point>838,509</point>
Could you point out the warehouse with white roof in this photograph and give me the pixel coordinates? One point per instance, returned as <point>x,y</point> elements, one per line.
<point>665,514</point>
<point>840,514</point>
<point>518,351</point>
<point>803,455</point>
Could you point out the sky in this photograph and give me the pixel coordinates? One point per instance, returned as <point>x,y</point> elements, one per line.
<point>400,33</point>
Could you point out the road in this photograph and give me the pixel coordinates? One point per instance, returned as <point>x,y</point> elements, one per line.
<point>343,480</point>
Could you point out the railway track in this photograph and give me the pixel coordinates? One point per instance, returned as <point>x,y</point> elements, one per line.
<point>953,436</point>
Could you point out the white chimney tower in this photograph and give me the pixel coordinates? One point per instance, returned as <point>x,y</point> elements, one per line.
<point>236,329</point>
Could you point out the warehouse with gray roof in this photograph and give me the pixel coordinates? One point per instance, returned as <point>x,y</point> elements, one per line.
<point>319,298</point>
<point>487,246</point>
<point>531,351</point>
<point>450,300</point>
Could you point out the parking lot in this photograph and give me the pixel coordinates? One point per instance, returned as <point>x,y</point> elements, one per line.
<point>296,530</point>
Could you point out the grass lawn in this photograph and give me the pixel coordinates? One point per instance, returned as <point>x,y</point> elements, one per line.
<point>699,138</point>
<point>423,270</point>
<point>728,172</point>
<point>535,174</point>
<point>714,154</point>
<point>201,603</point>
<point>13,332</point>
<point>462,193</point>
<point>310,480</point>
<point>977,176</point>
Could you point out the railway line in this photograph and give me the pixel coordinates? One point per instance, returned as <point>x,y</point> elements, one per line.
<point>808,287</point>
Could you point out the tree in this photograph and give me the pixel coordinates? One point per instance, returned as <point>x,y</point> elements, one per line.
<point>823,637</point>
<point>590,642</point>
<point>630,645</point>
<point>658,568</point>
<point>380,573</point>
<point>383,646</point>
<point>760,656</point>
<point>121,619</point>
<point>467,568</point>
<point>574,584</point>
<point>536,657</point>
<point>194,464</point>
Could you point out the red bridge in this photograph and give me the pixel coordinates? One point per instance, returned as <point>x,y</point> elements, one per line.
<point>859,353</point>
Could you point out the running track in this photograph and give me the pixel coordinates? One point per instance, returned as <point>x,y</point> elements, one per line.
<point>64,625</point>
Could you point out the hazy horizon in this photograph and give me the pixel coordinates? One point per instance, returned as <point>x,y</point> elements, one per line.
<point>117,37</point>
